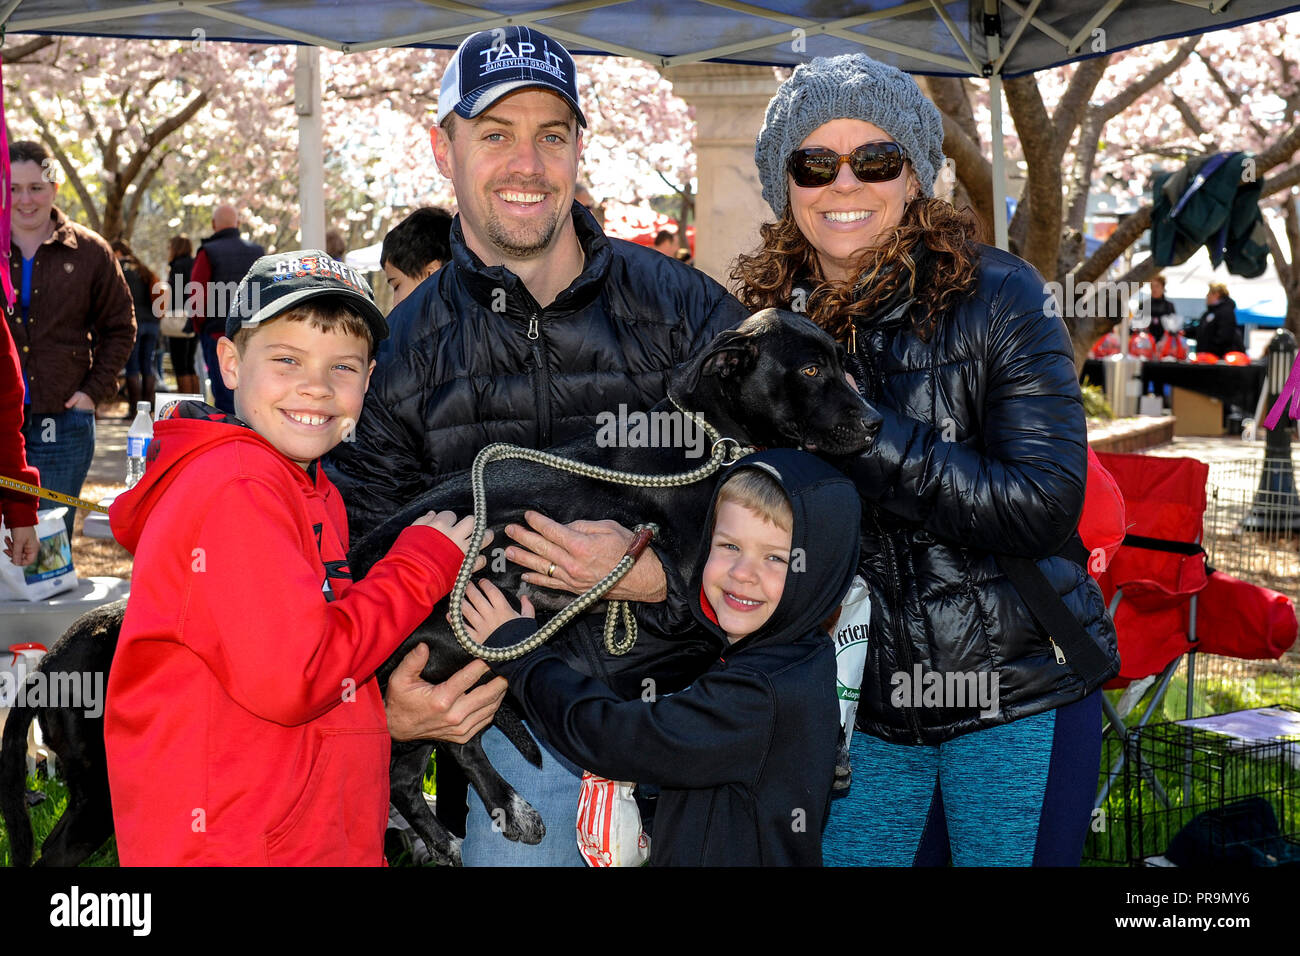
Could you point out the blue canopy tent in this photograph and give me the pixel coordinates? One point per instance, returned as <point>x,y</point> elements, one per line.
<point>995,39</point>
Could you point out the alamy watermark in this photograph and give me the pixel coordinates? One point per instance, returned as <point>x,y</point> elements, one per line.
<point>76,908</point>
<point>957,690</point>
<point>76,690</point>
<point>206,299</point>
<point>1085,300</point>
<point>662,429</point>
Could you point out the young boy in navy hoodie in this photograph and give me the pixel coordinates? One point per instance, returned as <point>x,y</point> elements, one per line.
<point>745,756</point>
<point>243,722</point>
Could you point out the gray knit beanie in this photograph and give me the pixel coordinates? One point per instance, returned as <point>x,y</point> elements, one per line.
<point>851,86</point>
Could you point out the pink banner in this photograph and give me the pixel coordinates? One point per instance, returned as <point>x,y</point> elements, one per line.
<point>6,284</point>
<point>1291,390</point>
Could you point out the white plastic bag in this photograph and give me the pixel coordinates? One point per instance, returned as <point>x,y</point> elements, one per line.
<point>51,573</point>
<point>851,652</point>
<point>609,823</point>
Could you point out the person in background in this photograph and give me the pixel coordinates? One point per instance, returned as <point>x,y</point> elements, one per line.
<point>223,260</point>
<point>336,246</point>
<point>72,322</point>
<point>1217,331</point>
<point>1158,307</point>
<point>182,348</point>
<point>582,195</point>
<point>141,382</point>
<point>684,256</point>
<point>415,249</point>
<point>666,242</point>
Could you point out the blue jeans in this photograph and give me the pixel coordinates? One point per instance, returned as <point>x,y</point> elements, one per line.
<point>222,397</point>
<point>141,360</point>
<point>552,791</point>
<point>61,447</point>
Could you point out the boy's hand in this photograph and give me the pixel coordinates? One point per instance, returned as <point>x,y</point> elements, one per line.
<point>486,608</point>
<point>459,530</point>
<point>22,545</point>
<point>454,710</point>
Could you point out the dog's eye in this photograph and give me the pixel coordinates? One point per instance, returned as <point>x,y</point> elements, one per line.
<point>812,371</point>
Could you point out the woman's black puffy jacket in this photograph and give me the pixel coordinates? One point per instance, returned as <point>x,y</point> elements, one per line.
<point>983,450</point>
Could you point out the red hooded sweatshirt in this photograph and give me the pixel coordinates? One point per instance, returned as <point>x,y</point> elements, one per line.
<point>243,722</point>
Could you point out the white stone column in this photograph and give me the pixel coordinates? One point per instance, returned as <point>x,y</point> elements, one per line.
<point>729,102</point>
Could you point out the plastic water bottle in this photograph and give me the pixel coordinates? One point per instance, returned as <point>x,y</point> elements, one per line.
<point>137,443</point>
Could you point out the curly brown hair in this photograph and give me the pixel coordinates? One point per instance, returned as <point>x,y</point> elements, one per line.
<point>932,252</point>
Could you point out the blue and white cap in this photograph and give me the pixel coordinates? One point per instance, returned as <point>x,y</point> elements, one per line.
<point>491,63</point>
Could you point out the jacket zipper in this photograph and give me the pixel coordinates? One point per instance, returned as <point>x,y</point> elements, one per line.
<point>542,383</point>
<point>901,644</point>
<point>1056,649</point>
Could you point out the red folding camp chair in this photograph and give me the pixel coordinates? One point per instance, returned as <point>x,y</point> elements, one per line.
<point>1153,582</point>
<point>1166,603</point>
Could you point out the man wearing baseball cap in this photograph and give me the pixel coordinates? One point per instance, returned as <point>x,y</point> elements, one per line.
<point>244,725</point>
<point>539,323</point>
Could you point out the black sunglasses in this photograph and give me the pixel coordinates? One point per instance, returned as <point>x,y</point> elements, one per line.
<point>870,162</point>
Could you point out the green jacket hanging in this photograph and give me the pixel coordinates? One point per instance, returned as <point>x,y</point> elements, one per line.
<point>1210,202</point>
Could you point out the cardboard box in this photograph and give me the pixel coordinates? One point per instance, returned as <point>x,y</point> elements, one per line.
<point>1196,414</point>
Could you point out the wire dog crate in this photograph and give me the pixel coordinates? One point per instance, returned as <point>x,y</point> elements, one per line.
<point>1209,794</point>
<point>1252,523</point>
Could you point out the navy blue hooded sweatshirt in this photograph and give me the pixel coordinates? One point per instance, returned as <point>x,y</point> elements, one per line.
<point>745,756</point>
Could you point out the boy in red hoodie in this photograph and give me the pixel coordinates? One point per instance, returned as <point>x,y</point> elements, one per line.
<point>243,722</point>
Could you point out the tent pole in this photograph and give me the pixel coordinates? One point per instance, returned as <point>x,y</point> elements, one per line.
<point>999,164</point>
<point>992,35</point>
<point>311,149</point>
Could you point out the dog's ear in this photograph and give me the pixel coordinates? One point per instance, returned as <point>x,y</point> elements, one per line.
<point>731,353</point>
<point>730,360</point>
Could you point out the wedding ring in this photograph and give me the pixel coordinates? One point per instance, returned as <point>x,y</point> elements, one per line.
<point>550,572</point>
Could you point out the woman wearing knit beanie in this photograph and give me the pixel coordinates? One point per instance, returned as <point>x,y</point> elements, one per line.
<point>978,732</point>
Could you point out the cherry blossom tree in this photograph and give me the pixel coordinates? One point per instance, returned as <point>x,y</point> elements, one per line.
<point>637,125</point>
<point>1114,120</point>
<point>150,135</point>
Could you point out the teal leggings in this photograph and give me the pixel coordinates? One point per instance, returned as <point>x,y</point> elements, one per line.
<point>1019,794</point>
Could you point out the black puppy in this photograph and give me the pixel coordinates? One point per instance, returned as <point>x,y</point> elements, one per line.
<point>76,737</point>
<point>777,380</point>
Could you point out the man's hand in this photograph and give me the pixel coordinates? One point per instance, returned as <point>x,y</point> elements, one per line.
<point>80,400</point>
<point>21,545</point>
<point>583,552</point>
<point>449,711</point>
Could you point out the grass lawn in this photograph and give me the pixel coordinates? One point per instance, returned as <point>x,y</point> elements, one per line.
<point>45,815</point>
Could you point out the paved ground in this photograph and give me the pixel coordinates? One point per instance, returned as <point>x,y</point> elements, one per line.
<point>109,464</point>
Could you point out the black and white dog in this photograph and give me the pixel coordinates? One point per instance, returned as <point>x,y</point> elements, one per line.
<point>775,381</point>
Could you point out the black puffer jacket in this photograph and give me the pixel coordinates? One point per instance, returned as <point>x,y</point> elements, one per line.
<point>474,360</point>
<point>1217,332</point>
<point>983,449</point>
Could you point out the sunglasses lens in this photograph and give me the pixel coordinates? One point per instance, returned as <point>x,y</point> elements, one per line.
<point>871,163</point>
<point>877,162</point>
<point>815,166</point>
